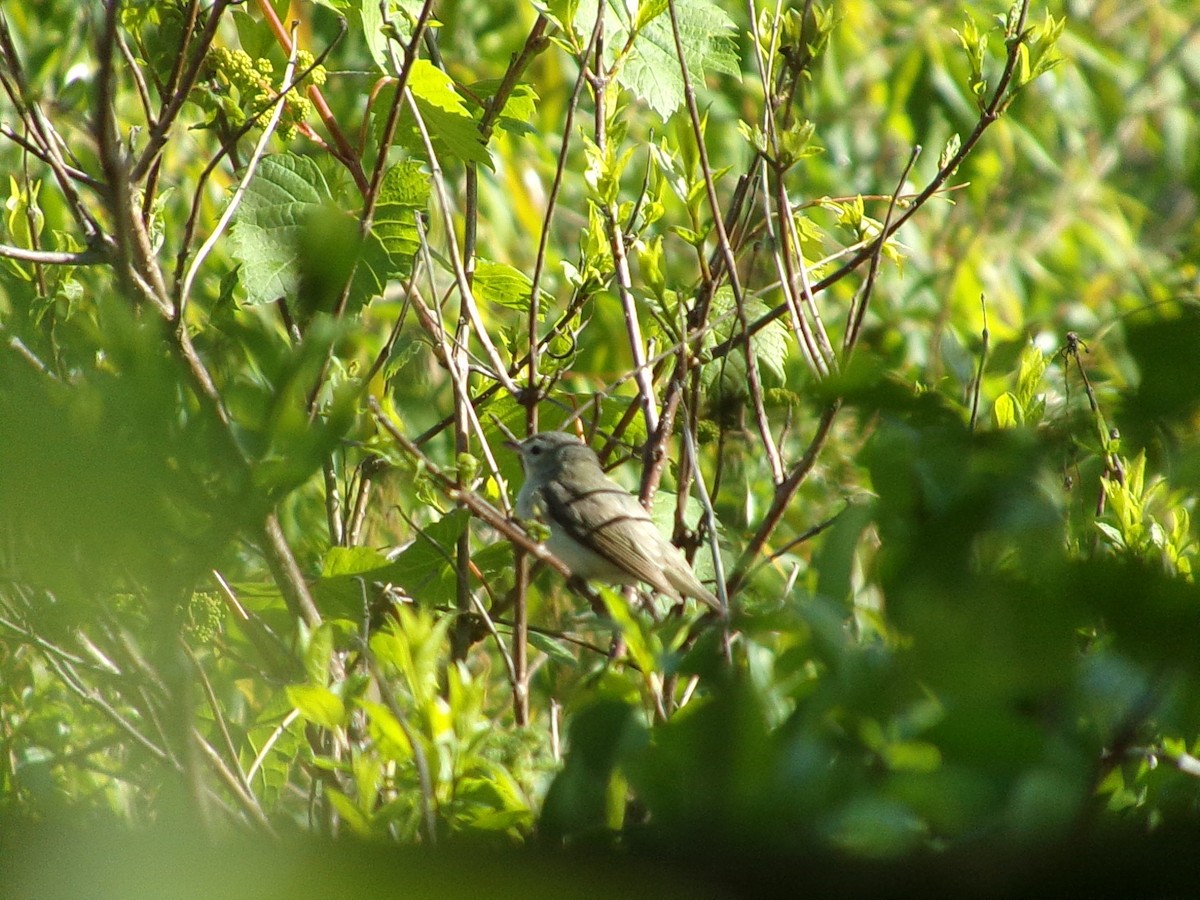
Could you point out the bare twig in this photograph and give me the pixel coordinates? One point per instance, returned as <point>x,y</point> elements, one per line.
<point>983,352</point>
<point>991,112</point>
<point>53,258</point>
<point>726,249</point>
<point>858,311</point>
<point>180,86</point>
<point>466,296</point>
<point>235,201</point>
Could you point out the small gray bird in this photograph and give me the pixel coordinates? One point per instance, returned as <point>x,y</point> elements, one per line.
<point>598,528</point>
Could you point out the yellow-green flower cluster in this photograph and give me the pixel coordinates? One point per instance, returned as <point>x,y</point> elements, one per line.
<point>205,616</point>
<point>241,88</point>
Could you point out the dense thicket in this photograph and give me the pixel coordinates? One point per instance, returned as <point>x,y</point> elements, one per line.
<point>886,310</point>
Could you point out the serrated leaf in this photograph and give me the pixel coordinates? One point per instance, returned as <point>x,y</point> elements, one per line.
<point>652,70</point>
<point>953,143</point>
<point>649,10</point>
<point>393,242</point>
<point>726,378</point>
<point>289,210</point>
<point>501,284</point>
<point>446,116</point>
<point>268,228</point>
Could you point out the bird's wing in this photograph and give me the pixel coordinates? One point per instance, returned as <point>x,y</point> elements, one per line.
<point>608,519</point>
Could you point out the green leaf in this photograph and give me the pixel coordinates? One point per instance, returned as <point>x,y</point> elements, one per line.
<point>726,379</point>
<point>386,733</point>
<point>318,705</point>
<point>501,284</point>
<point>351,561</point>
<point>648,10</point>
<point>1029,376</point>
<point>373,33</point>
<point>317,654</point>
<point>643,644</point>
<point>294,240</point>
<point>652,70</point>
<point>450,125</point>
<point>1005,411</point>
<point>520,109</point>
<point>557,650</point>
<point>285,192</point>
<point>349,813</point>
<point>394,240</point>
<point>425,569</point>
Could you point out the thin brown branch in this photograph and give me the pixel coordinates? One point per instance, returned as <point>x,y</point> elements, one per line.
<point>466,296</point>
<point>287,573</point>
<point>47,140</point>
<point>341,149</point>
<point>977,388</point>
<point>990,114</point>
<point>858,311</point>
<point>403,71</point>
<point>181,87</point>
<point>480,508</point>
<point>782,499</point>
<point>754,379</point>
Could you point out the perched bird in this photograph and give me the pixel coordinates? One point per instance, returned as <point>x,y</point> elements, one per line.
<point>598,528</point>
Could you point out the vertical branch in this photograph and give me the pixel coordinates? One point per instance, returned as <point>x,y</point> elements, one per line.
<point>633,329</point>
<point>461,641</point>
<point>137,271</point>
<point>532,393</point>
<point>182,79</point>
<point>789,256</point>
<point>616,242</point>
<point>858,310</point>
<point>755,383</point>
<point>983,353</point>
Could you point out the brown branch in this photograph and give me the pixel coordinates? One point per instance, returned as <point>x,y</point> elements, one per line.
<point>175,100</point>
<point>47,139</point>
<point>342,150</point>
<point>857,312</point>
<point>782,499</point>
<point>476,505</point>
<point>989,115</point>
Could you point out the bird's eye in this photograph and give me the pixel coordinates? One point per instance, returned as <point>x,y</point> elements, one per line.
<point>535,450</point>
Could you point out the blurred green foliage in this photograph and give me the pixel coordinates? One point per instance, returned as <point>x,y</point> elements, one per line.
<point>974,621</point>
